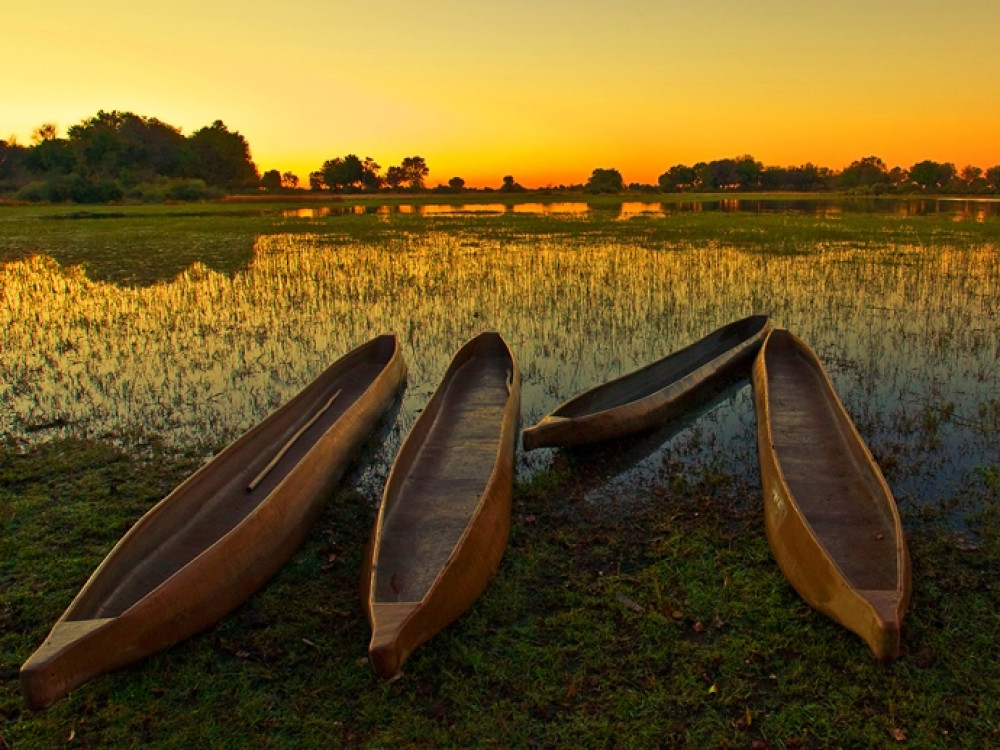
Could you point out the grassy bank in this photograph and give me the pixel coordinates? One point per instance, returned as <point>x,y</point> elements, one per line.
<point>659,621</point>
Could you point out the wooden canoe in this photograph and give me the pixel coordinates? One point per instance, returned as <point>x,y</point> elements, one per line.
<point>222,533</point>
<point>445,514</point>
<point>652,395</point>
<point>831,520</point>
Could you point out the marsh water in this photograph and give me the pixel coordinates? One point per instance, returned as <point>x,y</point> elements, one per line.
<point>907,332</point>
<point>958,209</point>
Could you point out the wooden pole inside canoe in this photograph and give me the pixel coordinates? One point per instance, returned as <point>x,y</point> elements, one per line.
<point>291,441</point>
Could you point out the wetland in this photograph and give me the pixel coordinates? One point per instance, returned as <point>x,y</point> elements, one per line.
<point>137,341</point>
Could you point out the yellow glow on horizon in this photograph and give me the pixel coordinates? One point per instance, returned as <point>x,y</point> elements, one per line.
<point>543,92</point>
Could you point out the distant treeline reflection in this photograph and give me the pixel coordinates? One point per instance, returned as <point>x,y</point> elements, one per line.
<point>959,209</point>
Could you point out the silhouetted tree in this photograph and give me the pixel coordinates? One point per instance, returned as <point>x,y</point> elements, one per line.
<point>678,177</point>
<point>605,181</point>
<point>457,184</point>
<point>729,174</point>
<point>371,180</point>
<point>807,177</point>
<point>395,177</point>
<point>748,172</point>
<point>222,157</point>
<point>341,173</point>
<point>271,180</point>
<point>510,185</point>
<point>289,180</point>
<point>350,174</point>
<point>129,148</point>
<point>867,172</point>
<point>45,132</point>
<point>992,177</point>
<point>930,175</point>
<point>51,156</point>
<point>414,171</point>
<point>12,158</point>
<point>972,179</point>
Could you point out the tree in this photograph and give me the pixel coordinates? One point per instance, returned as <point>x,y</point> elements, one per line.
<point>748,171</point>
<point>510,185</point>
<point>371,180</point>
<point>605,181</point>
<point>993,178</point>
<point>271,180</point>
<point>289,180</point>
<point>341,174</point>
<point>12,162</point>
<point>457,184</point>
<point>350,174</point>
<point>414,171</point>
<point>678,177</point>
<point>394,177</point>
<point>128,148</point>
<point>973,179</point>
<point>46,132</point>
<point>222,157</point>
<point>51,156</point>
<point>867,172</point>
<point>807,177</point>
<point>721,174</point>
<point>930,175</point>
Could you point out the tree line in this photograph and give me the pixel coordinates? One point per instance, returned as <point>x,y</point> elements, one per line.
<point>870,176</point>
<point>114,155</point>
<point>120,155</point>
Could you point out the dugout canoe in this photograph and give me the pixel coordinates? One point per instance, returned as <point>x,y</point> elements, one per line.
<point>221,534</point>
<point>445,514</point>
<point>654,394</point>
<point>831,519</point>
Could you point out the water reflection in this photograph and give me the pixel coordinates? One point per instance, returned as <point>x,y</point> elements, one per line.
<point>634,208</point>
<point>443,209</point>
<point>907,332</point>
<point>567,208</point>
<point>958,209</point>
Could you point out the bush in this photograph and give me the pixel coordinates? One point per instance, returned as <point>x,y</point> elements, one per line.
<point>33,192</point>
<point>172,190</point>
<point>71,187</point>
<point>101,191</point>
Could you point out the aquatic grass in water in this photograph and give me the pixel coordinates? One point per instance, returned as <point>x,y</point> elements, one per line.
<point>906,332</point>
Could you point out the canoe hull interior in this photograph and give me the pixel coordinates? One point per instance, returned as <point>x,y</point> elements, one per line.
<point>653,395</point>
<point>831,521</point>
<point>445,514</point>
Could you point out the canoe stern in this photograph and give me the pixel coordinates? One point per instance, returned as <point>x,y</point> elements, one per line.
<point>73,653</point>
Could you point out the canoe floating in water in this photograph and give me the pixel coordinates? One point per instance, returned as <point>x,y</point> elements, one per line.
<point>652,395</point>
<point>831,520</point>
<point>445,513</point>
<point>222,533</point>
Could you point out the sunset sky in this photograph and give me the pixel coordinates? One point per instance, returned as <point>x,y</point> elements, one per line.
<point>544,90</point>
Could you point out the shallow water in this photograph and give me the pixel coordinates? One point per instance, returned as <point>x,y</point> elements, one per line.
<point>907,333</point>
<point>958,209</point>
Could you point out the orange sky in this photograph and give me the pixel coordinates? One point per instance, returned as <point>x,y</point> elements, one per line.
<point>544,90</point>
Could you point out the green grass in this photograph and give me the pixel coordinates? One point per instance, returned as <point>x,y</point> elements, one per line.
<point>663,622</point>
